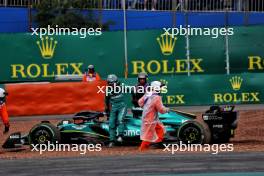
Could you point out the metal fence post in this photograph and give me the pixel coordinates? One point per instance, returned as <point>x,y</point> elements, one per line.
<point>227,45</point>
<point>188,53</point>
<point>185,7</point>
<point>29,16</point>
<point>125,38</point>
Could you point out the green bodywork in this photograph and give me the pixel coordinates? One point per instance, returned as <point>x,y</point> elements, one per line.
<point>100,130</point>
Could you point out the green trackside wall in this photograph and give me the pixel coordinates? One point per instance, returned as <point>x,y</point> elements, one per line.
<point>211,89</point>
<point>21,60</point>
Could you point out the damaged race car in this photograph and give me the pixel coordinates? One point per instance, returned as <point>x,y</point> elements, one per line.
<point>87,127</point>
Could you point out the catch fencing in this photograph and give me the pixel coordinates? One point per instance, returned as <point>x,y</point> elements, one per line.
<point>161,5</point>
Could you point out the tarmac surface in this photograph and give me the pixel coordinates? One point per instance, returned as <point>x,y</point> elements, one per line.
<point>223,164</point>
<point>184,164</point>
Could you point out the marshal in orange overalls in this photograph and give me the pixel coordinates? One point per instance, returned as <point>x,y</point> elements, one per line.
<point>4,116</point>
<point>152,130</point>
<point>3,109</point>
<point>90,75</point>
<point>87,77</point>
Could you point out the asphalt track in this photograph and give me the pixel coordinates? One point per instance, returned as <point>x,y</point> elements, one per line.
<point>224,164</point>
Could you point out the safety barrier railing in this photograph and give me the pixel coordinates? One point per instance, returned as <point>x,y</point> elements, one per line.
<point>162,5</point>
<point>18,3</point>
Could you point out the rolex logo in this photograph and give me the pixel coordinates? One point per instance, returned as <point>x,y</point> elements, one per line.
<point>47,47</point>
<point>236,82</point>
<point>164,82</point>
<point>166,43</point>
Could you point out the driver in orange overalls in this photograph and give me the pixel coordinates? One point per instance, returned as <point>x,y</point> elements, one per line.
<point>152,130</point>
<point>3,110</point>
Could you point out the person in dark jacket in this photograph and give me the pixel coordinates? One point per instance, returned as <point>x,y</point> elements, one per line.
<point>140,88</point>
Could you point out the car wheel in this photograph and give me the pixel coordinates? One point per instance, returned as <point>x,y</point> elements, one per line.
<point>206,133</point>
<point>194,132</point>
<point>43,133</point>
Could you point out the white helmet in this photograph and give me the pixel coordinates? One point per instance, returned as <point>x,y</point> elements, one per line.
<point>156,86</point>
<point>2,93</point>
<point>2,96</point>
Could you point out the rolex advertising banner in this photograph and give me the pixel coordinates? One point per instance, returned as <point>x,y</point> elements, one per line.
<point>245,88</point>
<point>162,55</point>
<point>26,57</point>
<point>29,58</point>
<point>246,49</point>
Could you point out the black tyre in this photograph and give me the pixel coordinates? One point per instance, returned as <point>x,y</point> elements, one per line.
<point>207,135</point>
<point>44,132</point>
<point>194,132</point>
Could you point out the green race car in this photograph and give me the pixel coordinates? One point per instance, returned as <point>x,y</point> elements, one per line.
<point>87,127</point>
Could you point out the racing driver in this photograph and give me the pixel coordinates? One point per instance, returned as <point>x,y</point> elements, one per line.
<point>116,107</point>
<point>142,84</point>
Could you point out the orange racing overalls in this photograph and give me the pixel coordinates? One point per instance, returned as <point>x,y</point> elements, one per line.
<point>87,77</point>
<point>4,116</point>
